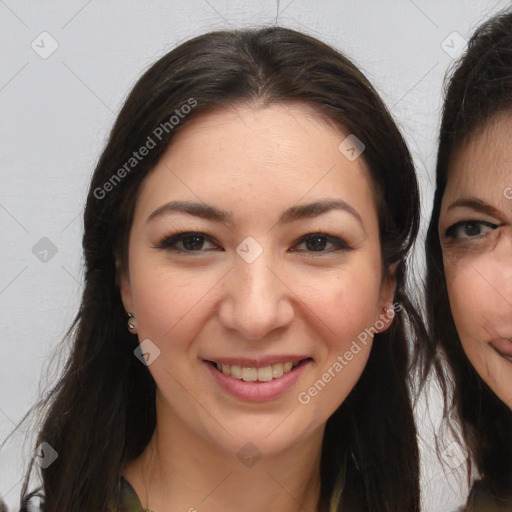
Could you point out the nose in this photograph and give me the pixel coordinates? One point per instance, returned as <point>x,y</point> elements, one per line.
<point>256,299</point>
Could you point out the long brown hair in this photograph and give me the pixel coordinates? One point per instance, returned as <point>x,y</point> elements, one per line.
<point>480,87</point>
<point>101,413</point>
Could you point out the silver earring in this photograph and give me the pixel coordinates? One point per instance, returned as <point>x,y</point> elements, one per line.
<point>132,323</point>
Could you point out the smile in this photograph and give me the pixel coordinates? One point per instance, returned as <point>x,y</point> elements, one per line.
<point>263,374</point>
<point>508,358</point>
<point>503,347</point>
<point>255,381</point>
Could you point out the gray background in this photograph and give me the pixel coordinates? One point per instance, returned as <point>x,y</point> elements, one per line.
<point>56,113</point>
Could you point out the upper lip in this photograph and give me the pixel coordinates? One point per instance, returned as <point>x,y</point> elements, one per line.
<point>256,362</point>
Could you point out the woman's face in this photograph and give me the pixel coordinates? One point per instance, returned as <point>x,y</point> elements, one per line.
<point>476,236</point>
<point>275,280</point>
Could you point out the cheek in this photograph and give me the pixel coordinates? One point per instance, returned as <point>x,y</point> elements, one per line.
<point>478,292</point>
<point>341,306</point>
<point>465,304</point>
<point>464,294</point>
<point>469,305</point>
<point>346,306</point>
<point>335,306</point>
<point>170,300</point>
<point>349,305</point>
<point>480,310</point>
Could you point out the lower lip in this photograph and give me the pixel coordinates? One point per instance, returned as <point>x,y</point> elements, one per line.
<point>258,391</point>
<point>504,348</point>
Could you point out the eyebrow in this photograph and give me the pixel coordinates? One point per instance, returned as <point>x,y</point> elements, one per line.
<point>474,204</point>
<point>291,214</point>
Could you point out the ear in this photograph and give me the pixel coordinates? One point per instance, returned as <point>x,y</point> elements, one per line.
<point>387,311</point>
<point>125,289</point>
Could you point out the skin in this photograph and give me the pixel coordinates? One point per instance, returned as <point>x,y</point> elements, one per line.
<point>478,256</point>
<point>253,163</point>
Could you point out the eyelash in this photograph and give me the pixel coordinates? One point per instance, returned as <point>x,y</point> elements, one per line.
<point>168,242</point>
<point>451,232</point>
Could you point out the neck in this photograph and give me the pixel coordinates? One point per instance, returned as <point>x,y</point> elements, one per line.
<point>185,471</point>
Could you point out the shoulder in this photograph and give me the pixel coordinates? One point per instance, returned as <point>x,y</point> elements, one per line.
<point>127,500</point>
<point>481,499</point>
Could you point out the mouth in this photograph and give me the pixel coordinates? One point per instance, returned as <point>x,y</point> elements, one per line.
<point>508,358</point>
<point>257,380</point>
<point>503,347</point>
<point>265,373</point>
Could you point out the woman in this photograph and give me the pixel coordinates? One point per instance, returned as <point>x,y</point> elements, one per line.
<point>469,258</point>
<point>241,342</point>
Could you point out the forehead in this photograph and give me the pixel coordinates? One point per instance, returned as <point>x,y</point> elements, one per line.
<point>277,153</point>
<point>484,161</point>
<point>239,134</point>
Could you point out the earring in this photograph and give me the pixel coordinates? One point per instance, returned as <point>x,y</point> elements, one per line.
<point>389,311</point>
<point>132,323</point>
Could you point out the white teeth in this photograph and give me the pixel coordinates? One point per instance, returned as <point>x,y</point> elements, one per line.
<point>250,374</point>
<point>263,374</point>
<point>236,372</point>
<point>277,370</point>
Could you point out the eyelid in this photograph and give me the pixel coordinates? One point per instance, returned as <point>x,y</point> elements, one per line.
<point>338,242</point>
<point>450,230</point>
<point>168,240</point>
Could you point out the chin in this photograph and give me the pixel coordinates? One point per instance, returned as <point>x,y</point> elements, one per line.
<point>263,435</point>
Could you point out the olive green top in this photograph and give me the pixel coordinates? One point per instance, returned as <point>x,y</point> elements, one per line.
<point>482,500</point>
<point>128,499</point>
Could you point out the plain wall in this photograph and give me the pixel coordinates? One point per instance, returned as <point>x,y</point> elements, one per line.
<point>58,109</point>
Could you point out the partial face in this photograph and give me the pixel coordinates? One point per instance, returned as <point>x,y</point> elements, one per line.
<point>254,266</point>
<point>476,236</point>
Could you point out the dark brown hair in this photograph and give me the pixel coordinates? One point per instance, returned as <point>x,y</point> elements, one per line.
<point>479,89</point>
<point>101,413</point>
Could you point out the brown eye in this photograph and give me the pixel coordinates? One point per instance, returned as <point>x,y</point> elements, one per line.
<point>320,242</point>
<point>186,242</point>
